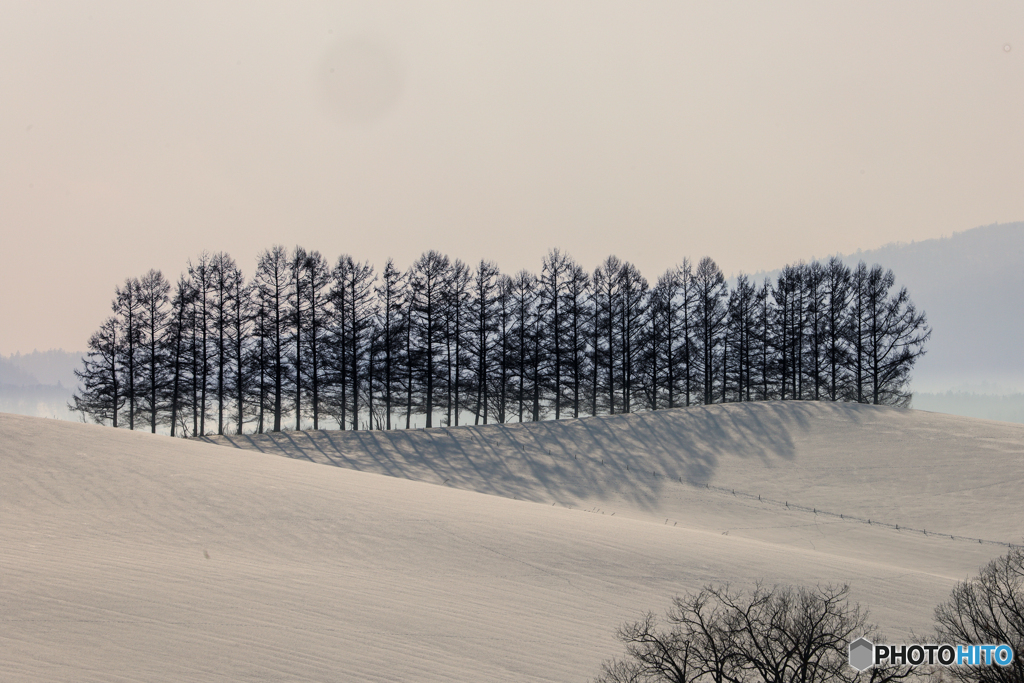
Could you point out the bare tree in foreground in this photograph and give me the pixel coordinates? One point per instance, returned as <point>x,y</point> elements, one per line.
<point>771,635</point>
<point>988,609</point>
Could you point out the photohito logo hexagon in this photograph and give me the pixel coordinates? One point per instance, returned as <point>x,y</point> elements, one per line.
<point>861,654</point>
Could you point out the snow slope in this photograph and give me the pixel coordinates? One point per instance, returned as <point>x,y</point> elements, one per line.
<point>719,467</point>
<point>127,556</point>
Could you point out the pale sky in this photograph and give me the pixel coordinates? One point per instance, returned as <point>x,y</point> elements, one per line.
<point>135,135</point>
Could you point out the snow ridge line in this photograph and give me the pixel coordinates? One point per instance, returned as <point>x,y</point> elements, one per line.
<point>786,504</point>
<point>584,459</point>
<point>862,520</point>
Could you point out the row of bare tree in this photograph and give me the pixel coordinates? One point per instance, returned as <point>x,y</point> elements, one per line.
<point>303,341</point>
<point>797,635</point>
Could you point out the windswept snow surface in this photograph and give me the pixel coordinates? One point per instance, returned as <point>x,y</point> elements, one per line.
<point>766,470</point>
<point>128,556</point>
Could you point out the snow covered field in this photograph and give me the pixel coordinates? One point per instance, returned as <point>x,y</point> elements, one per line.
<point>490,553</point>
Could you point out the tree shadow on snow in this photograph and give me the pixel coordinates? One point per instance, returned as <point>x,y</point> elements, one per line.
<point>632,456</point>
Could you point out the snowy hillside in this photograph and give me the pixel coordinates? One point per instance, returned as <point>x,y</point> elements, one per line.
<point>127,555</point>
<point>892,466</point>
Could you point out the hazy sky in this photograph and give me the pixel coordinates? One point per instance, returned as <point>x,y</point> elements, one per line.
<point>135,135</point>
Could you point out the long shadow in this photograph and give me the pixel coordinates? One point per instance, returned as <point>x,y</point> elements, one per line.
<point>406,439</point>
<point>635,456</point>
<point>243,441</point>
<point>367,448</point>
<point>448,445</point>
<point>373,444</point>
<point>295,447</point>
<point>319,448</point>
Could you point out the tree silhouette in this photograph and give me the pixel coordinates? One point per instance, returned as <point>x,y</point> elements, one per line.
<point>770,635</point>
<point>304,340</point>
<point>100,396</point>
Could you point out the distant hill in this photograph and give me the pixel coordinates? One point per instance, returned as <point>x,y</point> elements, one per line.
<point>52,367</point>
<point>971,286</point>
<point>39,383</point>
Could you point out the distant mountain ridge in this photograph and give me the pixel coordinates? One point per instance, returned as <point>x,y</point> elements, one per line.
<point>971,285</point>
<point>39,383</point>
<point>52,367</point>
